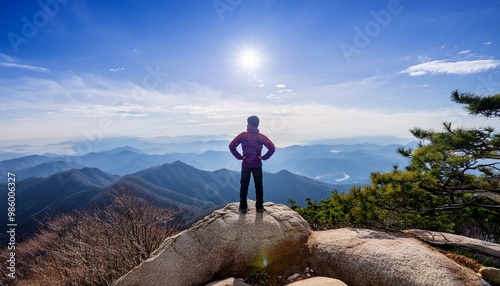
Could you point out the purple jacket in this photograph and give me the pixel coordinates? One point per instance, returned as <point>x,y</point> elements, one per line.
<point>251,143</point>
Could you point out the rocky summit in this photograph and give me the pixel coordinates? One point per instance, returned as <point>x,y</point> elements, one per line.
<point>229,243</point>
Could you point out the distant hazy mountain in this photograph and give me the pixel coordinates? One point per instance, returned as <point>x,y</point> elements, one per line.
<point>167,144</point>
<point>17,164</point>
<point>378,140</point>
<point>222,186</point>
<point>158,145</point>
<point>337,163</point>
<point>120,161</point>
<point>47,169</point>
<point>10,155</point>
<point>179,173</point>
<point>61,192</point>
<point>334,164</point>
<point>217,187</point>
<point>175,185</point>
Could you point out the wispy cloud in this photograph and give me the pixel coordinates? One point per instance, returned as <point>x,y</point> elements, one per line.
<point>76,106</point>
<point>107,111</point>
<point>6,58</point>
<point>449,67</point>
<point>117,69</point>
<point>25,67</point>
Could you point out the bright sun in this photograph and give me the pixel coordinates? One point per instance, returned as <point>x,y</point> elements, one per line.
<point>249,60</point>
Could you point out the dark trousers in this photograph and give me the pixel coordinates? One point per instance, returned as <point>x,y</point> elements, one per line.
<point>259,187</point>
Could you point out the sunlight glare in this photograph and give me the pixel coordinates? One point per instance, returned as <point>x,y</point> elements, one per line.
<point>250,60</point>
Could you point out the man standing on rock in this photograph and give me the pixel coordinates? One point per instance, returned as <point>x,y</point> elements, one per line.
<point>251,143</point>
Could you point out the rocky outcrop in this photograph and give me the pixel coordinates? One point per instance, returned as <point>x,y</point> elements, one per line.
<point>315,281</point>
<point>227,243</point>
<point>366,257</point>
<point>486,250</point>
<point>319,281</point>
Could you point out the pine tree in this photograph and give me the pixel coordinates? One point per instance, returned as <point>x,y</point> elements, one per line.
<point>457,170</point>
<point>488,106</point>
<point>452,183</point>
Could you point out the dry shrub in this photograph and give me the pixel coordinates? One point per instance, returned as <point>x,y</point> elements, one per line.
<point>94,247</point>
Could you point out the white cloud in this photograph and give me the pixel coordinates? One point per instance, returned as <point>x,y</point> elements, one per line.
<point>448,67</point>
<point>424,59</point>
<point>106,111</point>
<point>117,69</point>
<point>75,106</point>
<point>487,43</point>
<point>464,52</point>
<point>26,67</point>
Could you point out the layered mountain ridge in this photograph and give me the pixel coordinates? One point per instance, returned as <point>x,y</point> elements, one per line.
<point>342,163</point>
<point>174,185</point>
<point>194,182</point>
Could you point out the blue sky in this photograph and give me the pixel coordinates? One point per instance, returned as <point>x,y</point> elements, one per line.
<point>72,69</point>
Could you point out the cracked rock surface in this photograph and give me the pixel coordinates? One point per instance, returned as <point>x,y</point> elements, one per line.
<point>227,243</point>
<point>367,257</point>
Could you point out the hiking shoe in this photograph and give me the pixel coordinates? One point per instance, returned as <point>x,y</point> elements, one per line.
<point>243,210</point>
<point>260,210</point>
